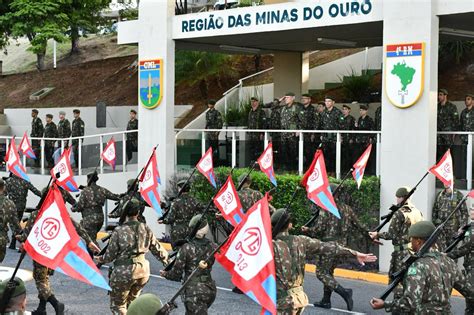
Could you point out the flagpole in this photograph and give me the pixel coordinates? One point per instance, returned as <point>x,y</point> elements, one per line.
<point>11,285</point>
<point>246,176</point>
<point>280,222</point>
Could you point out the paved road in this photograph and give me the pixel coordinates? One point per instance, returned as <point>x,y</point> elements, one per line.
<point>81,298</point>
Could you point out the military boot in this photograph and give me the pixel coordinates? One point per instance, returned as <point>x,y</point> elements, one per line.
<point>41,310</point>
<point>58,306</point>
<point>346,295</point>
<point>326,301</point>
<point>12,243</point>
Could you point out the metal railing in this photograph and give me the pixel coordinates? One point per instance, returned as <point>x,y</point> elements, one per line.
<point>90,146</point>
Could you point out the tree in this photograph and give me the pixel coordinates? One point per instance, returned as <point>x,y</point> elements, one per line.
<point>83,16</point>
<point>39,21</point>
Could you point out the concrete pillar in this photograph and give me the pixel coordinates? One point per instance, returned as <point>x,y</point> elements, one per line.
<point>409,135</point>
<point>291,73</point>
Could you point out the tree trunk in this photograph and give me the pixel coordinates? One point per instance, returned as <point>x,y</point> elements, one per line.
<point>74,40</point>
<point>40,61</point>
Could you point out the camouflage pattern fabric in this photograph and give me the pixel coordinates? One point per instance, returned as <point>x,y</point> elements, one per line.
<point>17,190</point>
<point>365,124</point>
<point>181,212</point>
<point>256,120</point>
<point>127,248</point>
<point>77,129</point>
<point>445,203</point>
<point>347,123</point>
<point>448,120</point>
<point>466,122</point>
<point>289,141</point>
<point>378,118</point>
<point>132,125</point>
<point>64,128</point>
<point>143,205</point>
<point>50,131</point>
<point>201,291</point>
<point>290,119</point>
<point>248,197</point>
<point>90,204</point>
<point>427,286</point>
<point>466,250</point>
<point>213,121</point>
<point>330,120</point>
<point>308,117</point>
<point>8,217</point>
<point>290,252</point>
<point>37,130</point>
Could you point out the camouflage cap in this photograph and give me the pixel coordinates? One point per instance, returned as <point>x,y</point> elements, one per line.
<point>211,102</point>
<point>62,112</point>
<point>329,97</point>
<point>289,94</point>
<point>471,95</point>
<point>402,191</point>
<point>147,303</point>
<point>444,91</point>
<point>133,111</point>
<point>19,287</point>
<point>253,98</point>
<point>364,106</point>
<point>195,220</point>
<point>132,207</point>
<point>306,95</point>
<point>280,215</point>
<point>422,229</point>
<point>49,116</point>
<point>76,111</point>
<point>93,176</point>
<point>35,111</point>
<point>346,106</point>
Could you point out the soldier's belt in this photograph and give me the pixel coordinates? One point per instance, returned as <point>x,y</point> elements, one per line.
<point>201,279</point>
<point>130,261</point>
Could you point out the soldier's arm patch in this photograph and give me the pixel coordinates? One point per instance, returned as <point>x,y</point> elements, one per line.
<point>411,271</point>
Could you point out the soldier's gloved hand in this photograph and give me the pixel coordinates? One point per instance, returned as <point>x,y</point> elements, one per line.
<point>203,265</point>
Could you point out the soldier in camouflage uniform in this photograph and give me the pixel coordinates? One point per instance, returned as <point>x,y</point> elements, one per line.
<point>201,290</point>
<point>77,130</point>
<point>64,126</point>
<point>445,203</point>
<point>127,248</point>
<point>466,123</point>
<point>401,221</point>
<point>90,204</point>
<point>132,137</point>
<point>309,121</point>
<point>8,217</point>
<point>429,280</point>
<point>50,131</point>
<point>290,253</point>
<point>328,228</point>
<point>275,124</point>
<point>117,213</point>
<point>331,120</point>
<point>248,196</point>
<point>37,131</point>
<point>17,191</point>
<point>290,120</point>
<point>256,120</point>
<point>466,250</point>
<point>365,123</point>
<point>347,146</point>
<point>378,118</point>
<point>448,120</point>
<point>182,211</point>
<point>213,121</point>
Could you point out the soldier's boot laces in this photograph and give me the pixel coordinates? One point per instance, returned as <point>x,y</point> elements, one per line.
<point>346,295</point>
<point>326,301</point>
<point>58,306</point>
<point>41,310</point>
<point>12,244</point>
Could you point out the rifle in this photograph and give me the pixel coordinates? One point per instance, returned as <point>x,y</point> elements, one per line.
<point>394,208</point>
<point>457,239</point>
<point>180,192</point>
<point>281,223</point>
<point>11,285</point>
<point>410,259</point>
<point>316,214</point>
<point>239,187</point>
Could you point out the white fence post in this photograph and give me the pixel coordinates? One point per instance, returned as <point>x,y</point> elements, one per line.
<point>338,155</point>
<point>469,162</point>
<point>300,154</point>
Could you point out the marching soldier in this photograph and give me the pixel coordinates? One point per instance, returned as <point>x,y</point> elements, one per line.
<point>330,120</point>
<point>8,217</point>
<point>289,140</point>
<point>401,221</point>
<point>248,196</point>
<point>77,130</point>
<point>127,248</point>
<point>347,123</point>
<point>256,120</point>
<point>64,126</point>
<point>182,210</point>
<point>328,228</point>
<point>50,131</point>
<point>448,120</point>
<point>132,137</point>
<point>201,291</point>
<point>137,196</point>
<point>37,131</point>
<point>309,121</point>
<point>213,121</point>
<point>290,253</point>
<point>90,204</point>
<point>428,282</point>
<point>445,203</point>
<point>17,190</point>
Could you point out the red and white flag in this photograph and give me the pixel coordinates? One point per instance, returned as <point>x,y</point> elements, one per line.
<point>13,161</point>
<point>444,169</point>
<point>360,165</point>
<point>265,161</point>
<point>26,148</point>
<point>248,256</point>
<point>228,202</point>
<point>109,153</point>
<point>149,180</point>
<point>206,167</point>
<point>66,176</point>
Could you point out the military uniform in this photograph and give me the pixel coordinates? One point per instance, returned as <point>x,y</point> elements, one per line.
<point>213,121</point>
<point>290,120</point>
<point>77,130</point>
<point>17,190</point>
<point>248,197</point>
<point>309,121</point>
<point>64,128</point>
<point>37,131</point>
<point>50,131</point>
<point>275,124</point>
<point>91,201</point>
<point>142,203</point>
<point>448,120</point>
<point>347,146</point>
<point>256,120</point>
<point>378,118</point>
<point>127,248</point>
<point>201,291</point>
<point>444,205</point>
<point>8,217</point>
<point>330,120</point>
<point>181,212</point>
<point>132,138</point>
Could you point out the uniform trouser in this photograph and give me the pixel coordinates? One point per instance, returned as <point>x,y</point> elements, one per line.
<point>276,143</point>
<point>124,291</point>
<point>255,147</point>
<point>396,264</point>
<point>48,154</point>
<point>41,277</point>
<point>130,148</point>
<point>309,148</point>
<point>75,151</point>
<point>289,152</point>
<point>292,304</point>
<point>329,150</point>
<point>3,248</point>
<point>35,145</point>
<point>199,297</point>
<point>348,156</point>
<point>92,226</point>
<point>470,299</point>
<point>325,271</point>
